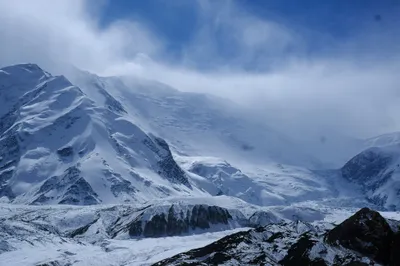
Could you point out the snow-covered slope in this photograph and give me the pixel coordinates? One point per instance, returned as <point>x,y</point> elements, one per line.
<point>377,171</point>
<point>197,124</point>
<point>272,184</point>
<point>88,145</point>
<point>59,146</point>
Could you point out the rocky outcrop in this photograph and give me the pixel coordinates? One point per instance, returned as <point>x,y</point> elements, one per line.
<point>213,254</point>
<point>263,218</point>
<point>65,152</point>
<point>9,150</point>
<point>366,232</point>
<point>298,254</point>
<point>50,263</point>
<point>70,188</point>
<point>167,166</point>
<point>110,102</point>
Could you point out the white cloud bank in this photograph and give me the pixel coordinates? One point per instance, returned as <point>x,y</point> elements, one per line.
<point>354,89</point>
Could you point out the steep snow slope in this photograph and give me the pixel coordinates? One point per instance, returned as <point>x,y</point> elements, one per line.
<point>377,172</point>
<point>197,124</point>
<point>58,146</point>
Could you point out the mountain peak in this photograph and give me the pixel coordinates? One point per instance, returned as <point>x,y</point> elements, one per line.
<point>57,145</point>
<point>22,68</point>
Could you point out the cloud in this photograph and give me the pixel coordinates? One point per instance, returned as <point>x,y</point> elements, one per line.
<point>349,87</point>
<point>232,37</point>
<point>61,32</point>
<point>321,97</point>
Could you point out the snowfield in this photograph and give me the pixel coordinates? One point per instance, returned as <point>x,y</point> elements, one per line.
<point>109,252</point>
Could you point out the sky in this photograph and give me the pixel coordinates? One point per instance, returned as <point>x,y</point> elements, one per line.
<point>179,22</point>
<point>306,66</point>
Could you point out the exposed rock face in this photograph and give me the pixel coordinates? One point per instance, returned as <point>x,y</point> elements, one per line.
<point>65,152</point>
<point>9,150</point>
<point>366,232</point>
<point>168,168</point>
<point>298,254</point>
<point>213,254</point>
<point>50,263</point>
<point>80,193</point>
<point>71,188</point>
<point>111,103</point>
<point>82,230</point>
<point>179,222</point>
<point>263,218</point>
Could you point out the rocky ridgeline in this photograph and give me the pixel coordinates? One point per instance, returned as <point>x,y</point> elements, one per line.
<point>365,238</point>
<point>366,232</point>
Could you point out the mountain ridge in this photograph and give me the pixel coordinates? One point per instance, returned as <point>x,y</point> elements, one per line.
<point>54,133</point>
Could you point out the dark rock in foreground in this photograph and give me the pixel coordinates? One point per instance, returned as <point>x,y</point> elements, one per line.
<point>366,232</point>
<point>363,239</point>
<point>395,250</point>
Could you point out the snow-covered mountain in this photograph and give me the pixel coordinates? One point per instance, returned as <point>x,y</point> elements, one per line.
<point>115,140</point>
<point>152,161</point>
<point>59,146</point>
